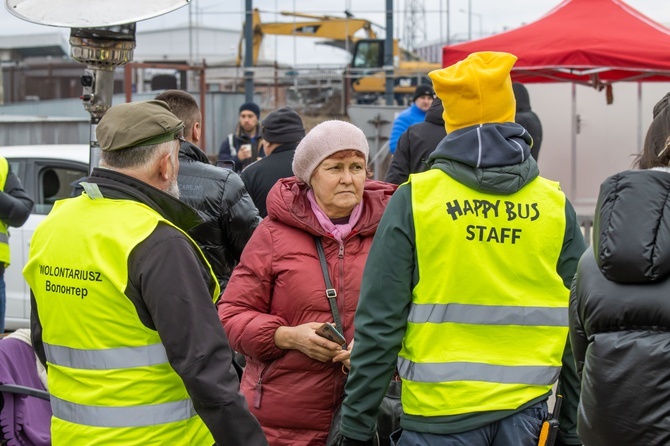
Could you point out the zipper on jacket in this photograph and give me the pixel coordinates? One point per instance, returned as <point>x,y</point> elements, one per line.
<point>258,389</point>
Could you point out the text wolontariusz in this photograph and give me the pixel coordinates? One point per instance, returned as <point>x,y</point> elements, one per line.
<point>61,272</point>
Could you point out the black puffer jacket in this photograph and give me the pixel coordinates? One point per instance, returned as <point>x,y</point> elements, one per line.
<point>620,315</point>
<point>222,201</point>
<point>260,176</point>
<point>414,146</point>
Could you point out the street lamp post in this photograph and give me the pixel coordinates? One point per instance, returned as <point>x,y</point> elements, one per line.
<point>469,19</point>
<point>479,17</point>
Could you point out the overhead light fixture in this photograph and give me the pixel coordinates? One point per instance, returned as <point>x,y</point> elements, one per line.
<point>102,36</point>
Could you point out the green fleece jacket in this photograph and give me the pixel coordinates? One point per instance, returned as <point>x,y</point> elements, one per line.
<point>495,159</point>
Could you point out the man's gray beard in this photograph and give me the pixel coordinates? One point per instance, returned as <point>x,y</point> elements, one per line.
<point>173,189</point>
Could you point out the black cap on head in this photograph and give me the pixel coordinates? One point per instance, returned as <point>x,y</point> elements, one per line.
<point>423,90</point>
<point>252,107</point>
<point>283,126</point>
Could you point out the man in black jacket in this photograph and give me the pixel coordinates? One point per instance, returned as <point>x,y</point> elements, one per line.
<point>527,118</point>
<point>282,131</point>
<point>217,194</point>
<point>15,208</point>
<point>414,146</point>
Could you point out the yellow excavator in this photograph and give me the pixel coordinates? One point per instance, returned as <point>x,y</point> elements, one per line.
<point>366,67</point>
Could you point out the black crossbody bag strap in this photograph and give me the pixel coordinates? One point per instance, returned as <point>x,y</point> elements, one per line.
<point>331,293</point>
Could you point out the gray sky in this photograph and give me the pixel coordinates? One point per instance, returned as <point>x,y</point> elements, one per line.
<point>494,15</point>
<point>489,16</point>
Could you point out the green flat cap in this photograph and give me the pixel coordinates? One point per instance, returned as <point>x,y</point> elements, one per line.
<point>137,124</point>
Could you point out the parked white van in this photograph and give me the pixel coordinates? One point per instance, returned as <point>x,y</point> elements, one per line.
<point>47,173</point>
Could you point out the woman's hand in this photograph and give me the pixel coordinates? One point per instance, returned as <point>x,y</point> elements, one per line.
<point>344,356</point>
<point>304,339</point>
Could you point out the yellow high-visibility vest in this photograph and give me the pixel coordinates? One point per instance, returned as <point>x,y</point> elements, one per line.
<point>109,376</point>
<point>488,321</point>
<point>4,232</point>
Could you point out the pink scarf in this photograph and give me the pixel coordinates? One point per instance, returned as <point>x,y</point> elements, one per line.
<point>339,232</point>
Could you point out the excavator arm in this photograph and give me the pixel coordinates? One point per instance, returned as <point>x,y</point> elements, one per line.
<point>329,27</point>
<point>367,75</point>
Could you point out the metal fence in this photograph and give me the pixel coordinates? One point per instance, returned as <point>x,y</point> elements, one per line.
<point>30,130</point>
<point>329,89</point>
<point>64,121</point>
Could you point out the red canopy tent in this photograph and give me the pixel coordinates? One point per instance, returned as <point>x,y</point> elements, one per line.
<point>592,42</point>
<point>588,42</point>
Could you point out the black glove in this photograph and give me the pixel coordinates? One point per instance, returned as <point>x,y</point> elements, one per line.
<point>351,442</point>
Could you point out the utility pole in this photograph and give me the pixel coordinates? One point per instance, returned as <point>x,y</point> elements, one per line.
<point>190,34</point>
<point>448,19</point>
<point>469,19</point>
<point>248,53</point>
<point>388,52</point>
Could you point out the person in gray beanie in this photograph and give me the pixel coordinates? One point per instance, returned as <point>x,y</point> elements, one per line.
<point>282,130</point>
<point>274,303</point>
<point>325,140</point>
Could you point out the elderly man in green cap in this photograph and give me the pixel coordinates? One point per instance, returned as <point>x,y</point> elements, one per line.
<point>122,302</point>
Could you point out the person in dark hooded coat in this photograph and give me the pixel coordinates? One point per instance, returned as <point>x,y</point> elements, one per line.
<point>527,118</point>
<point>414,146</point>
<point>619,305</point>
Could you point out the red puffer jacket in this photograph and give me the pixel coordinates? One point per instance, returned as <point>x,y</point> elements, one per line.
<point>279,283</point>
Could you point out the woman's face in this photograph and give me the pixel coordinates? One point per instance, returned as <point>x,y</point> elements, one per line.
<point>338,183</point>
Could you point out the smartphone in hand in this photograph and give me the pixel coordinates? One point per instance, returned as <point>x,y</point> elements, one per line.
<point>328,331</point>
<point>226,164</point>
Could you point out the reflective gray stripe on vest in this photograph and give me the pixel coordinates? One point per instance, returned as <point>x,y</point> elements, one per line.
<point>4,238</point>
<point>436,372</point>
<point>489,315</point>
<point>113,358</point>
<point>132,416</point>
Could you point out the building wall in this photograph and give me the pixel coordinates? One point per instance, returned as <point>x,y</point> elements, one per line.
<point>220,119</point>
<point>42,79</point>
<point>181,44</point>
<point>608,139</point>
<point>18,131</point>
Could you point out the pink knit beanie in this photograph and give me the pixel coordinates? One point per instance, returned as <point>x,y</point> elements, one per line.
<point>324,140</point>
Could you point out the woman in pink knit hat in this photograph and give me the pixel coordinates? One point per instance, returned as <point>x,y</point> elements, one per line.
<point>276,298</point>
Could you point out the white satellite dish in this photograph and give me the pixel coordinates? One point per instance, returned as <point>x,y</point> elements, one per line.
<point>90,13</point>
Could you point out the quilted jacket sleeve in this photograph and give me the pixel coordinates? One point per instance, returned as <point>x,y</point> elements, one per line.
<point>244,308</point>
<point>15,203</point>
<point>241,217</point>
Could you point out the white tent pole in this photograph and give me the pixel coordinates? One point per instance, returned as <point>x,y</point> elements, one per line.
<point>573,154</point>
<point>639,117</point>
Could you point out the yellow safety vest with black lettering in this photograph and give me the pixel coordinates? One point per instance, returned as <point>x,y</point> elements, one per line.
<point>109,376</point>
<point>488,320</point>
<point>4,232</point>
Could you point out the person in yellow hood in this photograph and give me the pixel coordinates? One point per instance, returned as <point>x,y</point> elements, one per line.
<point>465,290</point>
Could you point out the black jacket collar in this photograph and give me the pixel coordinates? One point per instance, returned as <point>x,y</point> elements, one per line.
<point>116,185</point>
<point>285,147</point>
<point>188,150</point>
